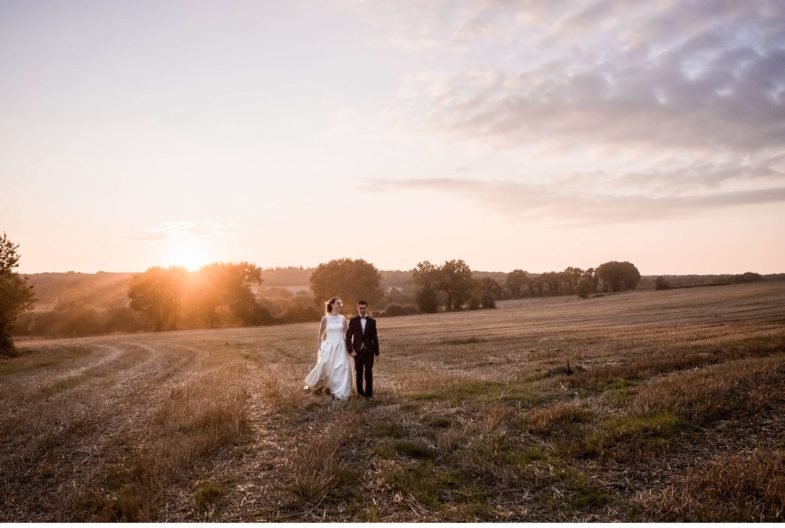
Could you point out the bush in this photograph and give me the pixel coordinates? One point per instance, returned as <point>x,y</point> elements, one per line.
<point>427,300</point>
<point>584,287</point>
<point>660,283</point>
<point>488,300</point>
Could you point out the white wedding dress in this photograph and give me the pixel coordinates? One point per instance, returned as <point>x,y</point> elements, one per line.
<point>333,368</point>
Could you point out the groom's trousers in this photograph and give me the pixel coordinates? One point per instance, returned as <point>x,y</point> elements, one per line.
<point>363,368</point>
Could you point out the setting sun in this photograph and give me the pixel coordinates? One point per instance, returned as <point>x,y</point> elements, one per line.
<point>187,252</point>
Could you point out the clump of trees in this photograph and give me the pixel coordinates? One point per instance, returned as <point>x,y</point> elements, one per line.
<point>16,295</point>
<point>351,280</point>
<point>693,281</point>
<point>746,277</point>
<point>217,295</point>
<point>610,276</point>
<point>452,287</point>
<point>619,276</point>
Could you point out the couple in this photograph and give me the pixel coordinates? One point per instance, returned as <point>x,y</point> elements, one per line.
<point>339,339</point>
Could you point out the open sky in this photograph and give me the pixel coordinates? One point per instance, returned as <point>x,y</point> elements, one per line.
<point>534,134</point>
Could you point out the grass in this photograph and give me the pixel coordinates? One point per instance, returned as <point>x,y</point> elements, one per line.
<point>207,495</point>
<point>672,410</point>
<point>314,467</point>
<point>35,360</point>
<point>717,391</point>
<point>392,429</point>
<point>64,384</point>
<point>414,449</point>
<point>558,418</point>
<point>745,487</point>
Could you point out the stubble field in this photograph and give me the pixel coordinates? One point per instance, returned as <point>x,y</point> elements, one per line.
<point>658,406</point>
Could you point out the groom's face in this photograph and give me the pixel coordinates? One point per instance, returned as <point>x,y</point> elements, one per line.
<point>362,309</point>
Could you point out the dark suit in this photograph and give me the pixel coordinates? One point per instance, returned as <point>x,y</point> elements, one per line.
<point>366,345</point>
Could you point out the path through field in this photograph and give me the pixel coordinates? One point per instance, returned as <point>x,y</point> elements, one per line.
<point>625,407</point>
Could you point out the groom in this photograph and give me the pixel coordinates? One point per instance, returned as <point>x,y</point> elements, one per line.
<point>363,345</point>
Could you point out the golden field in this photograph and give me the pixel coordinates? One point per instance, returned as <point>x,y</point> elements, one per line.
<point>642,406</point>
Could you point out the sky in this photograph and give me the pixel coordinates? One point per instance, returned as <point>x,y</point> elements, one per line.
<point>533,134</point>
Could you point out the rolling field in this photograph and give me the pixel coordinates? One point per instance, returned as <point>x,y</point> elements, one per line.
<point>643,406</point>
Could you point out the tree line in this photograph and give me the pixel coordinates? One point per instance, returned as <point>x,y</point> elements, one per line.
<point>234,294</point>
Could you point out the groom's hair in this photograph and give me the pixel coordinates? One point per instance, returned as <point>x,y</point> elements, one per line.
<point>362,302</point>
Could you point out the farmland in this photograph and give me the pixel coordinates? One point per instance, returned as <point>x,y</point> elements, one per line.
<point>642,406</point>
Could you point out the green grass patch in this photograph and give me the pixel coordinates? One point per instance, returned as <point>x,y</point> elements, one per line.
<point>423,481</point>
<point>645,424</point>
<point>440,422</point>
<point>410,407</point>
<point>585,495</point>
<point>206,495</point>
<point>391,429</point>
<point>616,384</point>
<point>414,450</point>
<point>483,391</point>
<point>372,514</point>
<point>628,437</point>
<point>347,476</point>
<point>437,487</point>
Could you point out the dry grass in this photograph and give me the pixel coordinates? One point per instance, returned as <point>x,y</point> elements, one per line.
<point>717,391</point>
<point>475,417</point>
<point>747,487</point>
<point>558,418</point>
<point>314,465</point>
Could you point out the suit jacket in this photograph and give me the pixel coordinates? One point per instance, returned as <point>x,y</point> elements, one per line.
<point>355,338</point>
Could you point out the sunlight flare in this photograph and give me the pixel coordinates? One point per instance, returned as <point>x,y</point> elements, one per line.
<point>185,251</point>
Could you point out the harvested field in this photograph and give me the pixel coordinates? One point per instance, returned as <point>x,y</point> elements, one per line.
<point>642,406</point>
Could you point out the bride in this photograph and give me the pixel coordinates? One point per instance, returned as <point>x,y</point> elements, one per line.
<point>333,369</point>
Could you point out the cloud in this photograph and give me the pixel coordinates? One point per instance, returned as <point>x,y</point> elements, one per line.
<point>700,85</point>
<point>166,230</point>
<point>561,68</point>
<point>574,206</point>
<point>734,103</point>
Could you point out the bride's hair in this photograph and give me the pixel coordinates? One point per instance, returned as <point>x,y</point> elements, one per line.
<point>328,306</point>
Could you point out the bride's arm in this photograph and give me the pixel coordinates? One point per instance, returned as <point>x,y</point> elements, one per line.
<point>322,326</point>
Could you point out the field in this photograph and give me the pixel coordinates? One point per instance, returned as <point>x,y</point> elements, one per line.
<point>643,406</point>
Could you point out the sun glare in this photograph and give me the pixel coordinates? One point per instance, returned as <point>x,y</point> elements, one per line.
<point>187,253</point>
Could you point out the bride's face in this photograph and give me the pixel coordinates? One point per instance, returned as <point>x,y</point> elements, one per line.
<point>338,307</point>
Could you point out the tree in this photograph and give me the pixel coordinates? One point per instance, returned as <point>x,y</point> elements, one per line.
<point>487,291</point>
<point>229,289</point>
<point>426,277</point>
<point>661,283</point>
<point>746,277</point>
<point>572,276</point>
<point>515,282</point>
<point>16,295</point>
<point>584,287</point>
<point>591,275</point>
<point>455,279</point>
<point>158,293</point>
<point>619,276</point>
<point>553,281</point>
<point>352,280</point>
